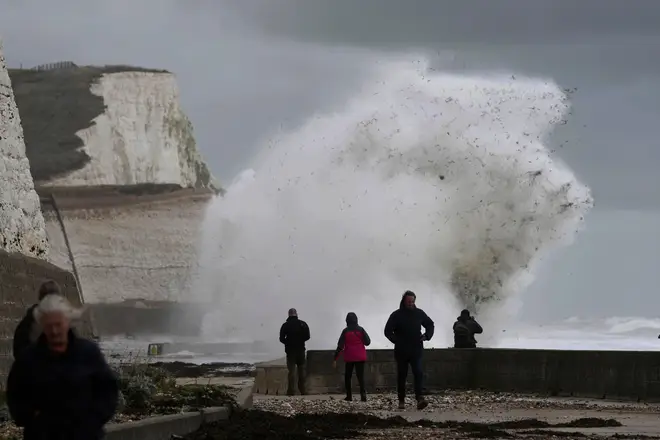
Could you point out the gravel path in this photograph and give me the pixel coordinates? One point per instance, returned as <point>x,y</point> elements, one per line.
<point>451,415</point>
<point>466,402</point>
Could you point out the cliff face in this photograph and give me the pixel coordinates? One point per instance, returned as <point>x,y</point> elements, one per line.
<point>111,148</point>
<point>22,226</point>
<point>88,126</point>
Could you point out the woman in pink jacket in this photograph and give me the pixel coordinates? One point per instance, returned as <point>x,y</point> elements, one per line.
<point>353,342</point>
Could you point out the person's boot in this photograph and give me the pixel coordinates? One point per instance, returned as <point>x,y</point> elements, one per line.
<point>348,398</point>
<point>402,404</point>
<point>421,403</point>
<point>363,397</point>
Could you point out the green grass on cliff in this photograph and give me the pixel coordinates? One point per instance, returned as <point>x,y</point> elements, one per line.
<point>54,105</point>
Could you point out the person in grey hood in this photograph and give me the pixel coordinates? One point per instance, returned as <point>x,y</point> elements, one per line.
<point>403,329</point>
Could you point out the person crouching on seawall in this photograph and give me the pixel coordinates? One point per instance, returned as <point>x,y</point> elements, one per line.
<point>61,387</point>
<point>465,328</point>
<point>403,329</point>
<point>353,341</point>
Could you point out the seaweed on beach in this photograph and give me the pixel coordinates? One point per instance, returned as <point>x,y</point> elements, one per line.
<point>252,424</point>
<point>147,390</point>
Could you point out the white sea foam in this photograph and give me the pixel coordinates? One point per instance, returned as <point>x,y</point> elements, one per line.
<point>426,181</point>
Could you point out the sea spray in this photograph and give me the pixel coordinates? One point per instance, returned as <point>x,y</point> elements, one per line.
<point>436,183</point>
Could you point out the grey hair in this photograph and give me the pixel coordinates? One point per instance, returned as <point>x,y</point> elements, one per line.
<point>59,304</point>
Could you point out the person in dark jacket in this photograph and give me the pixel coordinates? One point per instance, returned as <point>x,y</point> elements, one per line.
<point>403,329</point>
<point>61,387</point>
<point>28,329</point>
<point>293,334</point>
<point>353,342</point>
<point>465,328</point>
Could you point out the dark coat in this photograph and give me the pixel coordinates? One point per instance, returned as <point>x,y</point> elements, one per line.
<point>403,329</point>
<point>23,333</point>
<point>293,334</point>
<point>62,397</point>
<point>464,331</point>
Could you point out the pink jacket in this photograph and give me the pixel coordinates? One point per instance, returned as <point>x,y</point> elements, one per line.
<point>353,341</point>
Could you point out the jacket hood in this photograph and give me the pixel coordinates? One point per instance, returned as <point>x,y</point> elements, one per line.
<point>464,316</point>
<point>351,319</point>
<point>291,318</point>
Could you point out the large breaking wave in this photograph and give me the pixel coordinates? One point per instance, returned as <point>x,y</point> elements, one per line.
<point>426,181</point>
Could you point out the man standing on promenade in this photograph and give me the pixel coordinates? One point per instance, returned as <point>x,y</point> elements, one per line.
<point>403,329</point>
<point>293,334</point>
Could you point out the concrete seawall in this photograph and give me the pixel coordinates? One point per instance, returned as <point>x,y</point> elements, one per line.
<point>598,374</point>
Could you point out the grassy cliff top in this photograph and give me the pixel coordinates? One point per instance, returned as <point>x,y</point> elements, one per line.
<point>47,73</point>
<point>54,104</point>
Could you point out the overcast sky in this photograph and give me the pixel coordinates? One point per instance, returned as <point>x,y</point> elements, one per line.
<point>248,68</point>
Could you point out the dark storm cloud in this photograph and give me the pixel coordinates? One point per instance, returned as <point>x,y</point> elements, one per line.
<point>389,23</point>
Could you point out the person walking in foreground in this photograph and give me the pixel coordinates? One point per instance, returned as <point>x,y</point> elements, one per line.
<point>465,328</point>
<point>353,341</point>
<point>403,329</point>
<point>61,387</point>
<point>293,334</point>
<point>28,330</point>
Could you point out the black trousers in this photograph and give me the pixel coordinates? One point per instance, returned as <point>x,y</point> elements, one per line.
<point>295,363</point>
<point>348,375</point>
<point>402,362</point>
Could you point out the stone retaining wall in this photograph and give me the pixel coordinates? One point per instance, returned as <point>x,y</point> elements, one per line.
<point>599,374</point>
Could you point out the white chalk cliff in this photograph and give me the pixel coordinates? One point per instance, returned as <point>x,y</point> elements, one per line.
<point>143,136</point>
<point>113,147</point>
<point>22,226</point>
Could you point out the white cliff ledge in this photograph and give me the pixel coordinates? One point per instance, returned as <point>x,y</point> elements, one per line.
<point>22,226</point>
<point>118,126</point>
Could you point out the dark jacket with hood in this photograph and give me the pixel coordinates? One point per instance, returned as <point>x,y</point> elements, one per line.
<point>23,335</point>
<point>62,397</point>
<point>403,329</point>
<point>293,334</point>
<point>465,328</point>
<point>353,341</point>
